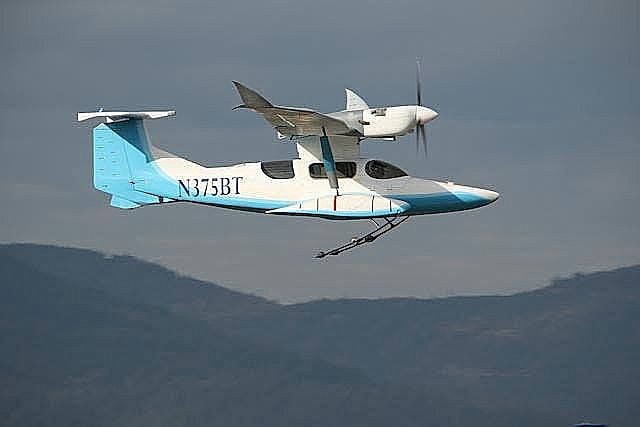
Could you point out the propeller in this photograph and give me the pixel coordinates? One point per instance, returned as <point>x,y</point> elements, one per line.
<point>423,114</point>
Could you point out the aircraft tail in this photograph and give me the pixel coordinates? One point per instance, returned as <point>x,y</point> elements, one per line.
<point>123,156</point>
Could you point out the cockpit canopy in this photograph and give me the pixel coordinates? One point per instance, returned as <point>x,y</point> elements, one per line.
<point>377,169</point>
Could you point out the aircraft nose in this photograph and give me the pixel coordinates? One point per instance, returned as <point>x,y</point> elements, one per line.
<point>488,195</point>
<point>424,115</point>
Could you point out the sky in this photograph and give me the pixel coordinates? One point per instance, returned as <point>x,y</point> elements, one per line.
<point>538,100</point>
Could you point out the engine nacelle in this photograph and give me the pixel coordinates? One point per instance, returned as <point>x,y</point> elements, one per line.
<point>388,122</point>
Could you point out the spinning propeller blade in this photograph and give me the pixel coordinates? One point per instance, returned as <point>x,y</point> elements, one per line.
<point>418,83</point>
<point>423,114</point>
<point>420,127</point>
<point>421,131</point>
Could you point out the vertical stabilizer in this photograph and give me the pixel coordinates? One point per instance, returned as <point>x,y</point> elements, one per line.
<point>121,153</point>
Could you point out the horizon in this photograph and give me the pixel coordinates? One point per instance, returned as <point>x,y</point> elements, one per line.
<point>106,255</point>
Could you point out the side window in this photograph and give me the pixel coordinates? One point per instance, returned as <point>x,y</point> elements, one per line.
<point>382,170</point>
<point>280,169</point>
<point>346,169</point>
<point>316,170</point>
<point>343,170</point>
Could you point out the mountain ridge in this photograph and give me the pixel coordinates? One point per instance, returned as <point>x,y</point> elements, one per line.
<point>563,352</point>
<point>75,355</point>
<point>19,250</point>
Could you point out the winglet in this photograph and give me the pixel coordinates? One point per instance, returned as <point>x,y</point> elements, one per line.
<point>354,102</point>
<point>250,97</point>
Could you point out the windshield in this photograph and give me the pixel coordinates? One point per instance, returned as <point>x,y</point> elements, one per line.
<point>382,170</point>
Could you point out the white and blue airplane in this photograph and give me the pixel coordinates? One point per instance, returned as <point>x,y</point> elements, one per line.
<point>329,179</point>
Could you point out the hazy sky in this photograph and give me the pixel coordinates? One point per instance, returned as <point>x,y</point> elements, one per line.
<point>537,100</point>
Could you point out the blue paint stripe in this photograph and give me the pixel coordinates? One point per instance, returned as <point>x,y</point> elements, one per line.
<point>440,202</point>
<point>242,202</point>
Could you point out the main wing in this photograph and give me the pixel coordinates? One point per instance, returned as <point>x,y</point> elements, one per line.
<point>292,121</point>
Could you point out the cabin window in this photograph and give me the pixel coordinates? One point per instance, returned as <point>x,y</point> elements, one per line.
<point>280,169</point>
<point>343,170</point>
<point>382,170</point>
<point>379,111</point>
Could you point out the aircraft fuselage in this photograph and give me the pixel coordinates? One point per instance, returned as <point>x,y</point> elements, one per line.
<point>273,186</point>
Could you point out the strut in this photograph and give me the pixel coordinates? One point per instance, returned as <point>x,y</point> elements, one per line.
<point>380,229</point>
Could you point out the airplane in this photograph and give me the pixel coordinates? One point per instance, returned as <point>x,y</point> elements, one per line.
<point>329,179</point>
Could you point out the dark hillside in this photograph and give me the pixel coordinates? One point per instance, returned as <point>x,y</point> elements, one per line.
<point>572,347</point>
<point>136,280</point>
<point>75,356</point>
<point>569,350</point>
